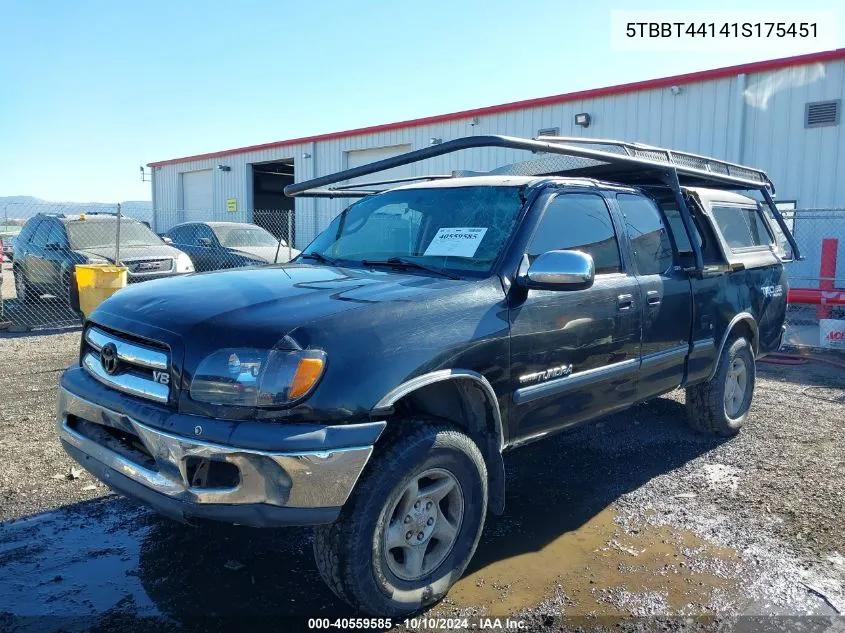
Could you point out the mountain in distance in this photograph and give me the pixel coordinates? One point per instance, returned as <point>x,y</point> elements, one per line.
<point>24,207</point>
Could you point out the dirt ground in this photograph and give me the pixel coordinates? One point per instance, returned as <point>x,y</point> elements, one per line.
<point>634,517</point>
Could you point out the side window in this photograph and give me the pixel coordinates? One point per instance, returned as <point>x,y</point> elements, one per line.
<point>647,234</point>
<point>57,235</point>
<point>579,222</point>
<point>742,227</point>
<point>27,231</point>
<point>186,234</point>
<point>204,231</point>
<point>39,238</point>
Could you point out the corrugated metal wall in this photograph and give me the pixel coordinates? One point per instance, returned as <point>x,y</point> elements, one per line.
<point>756,119</point>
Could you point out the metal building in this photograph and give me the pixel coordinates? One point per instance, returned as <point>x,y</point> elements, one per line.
<point>782,115</point>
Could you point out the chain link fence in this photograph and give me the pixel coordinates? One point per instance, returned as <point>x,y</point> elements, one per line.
<point>44,244</point>
<point>38,285</point>
<point>820,234</point>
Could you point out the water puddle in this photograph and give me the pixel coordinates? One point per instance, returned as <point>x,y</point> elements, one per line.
<point>602,568</point>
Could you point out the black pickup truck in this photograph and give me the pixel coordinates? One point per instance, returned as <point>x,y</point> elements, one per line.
<point>371,386</point>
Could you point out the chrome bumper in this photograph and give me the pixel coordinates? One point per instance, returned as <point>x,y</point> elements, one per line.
<point>308,479</point>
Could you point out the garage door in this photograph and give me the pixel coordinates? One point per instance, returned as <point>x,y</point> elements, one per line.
<point>197,199</point>
<point>355,158</point>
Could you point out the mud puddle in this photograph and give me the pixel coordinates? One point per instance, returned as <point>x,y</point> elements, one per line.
<point>604,569</point>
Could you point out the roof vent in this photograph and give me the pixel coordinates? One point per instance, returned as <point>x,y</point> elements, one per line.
<point>822,113</point>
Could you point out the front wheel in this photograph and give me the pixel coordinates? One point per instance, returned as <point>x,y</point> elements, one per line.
<point>411,526</point>
<point>720,406</point>
<point>24,292</point>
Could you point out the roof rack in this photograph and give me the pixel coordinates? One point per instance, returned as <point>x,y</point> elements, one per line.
<point>617,161</point>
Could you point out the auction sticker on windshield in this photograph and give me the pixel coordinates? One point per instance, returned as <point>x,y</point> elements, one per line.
<point>459,242</point>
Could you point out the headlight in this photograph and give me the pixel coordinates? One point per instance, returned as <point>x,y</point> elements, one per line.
<point>184,264</point>
<point>257,378</point>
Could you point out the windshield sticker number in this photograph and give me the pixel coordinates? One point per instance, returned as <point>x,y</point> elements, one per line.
<point>458,242</point>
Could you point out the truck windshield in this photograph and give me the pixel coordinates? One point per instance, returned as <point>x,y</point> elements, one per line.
<point>85,234</point>
<point>460,229</point>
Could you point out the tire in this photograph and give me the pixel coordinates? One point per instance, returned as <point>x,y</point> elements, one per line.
<point>353,554</point>
<point>717,407</point>
<point>72,293</point>
<point>24,292</point>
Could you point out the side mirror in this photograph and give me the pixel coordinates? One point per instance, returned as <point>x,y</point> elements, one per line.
<point>558,270</point>
<point>204,241</point>
<point>166,240</point>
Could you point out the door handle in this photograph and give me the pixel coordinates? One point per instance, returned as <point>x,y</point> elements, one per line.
<point>624,302</point>
<point>653,298</point>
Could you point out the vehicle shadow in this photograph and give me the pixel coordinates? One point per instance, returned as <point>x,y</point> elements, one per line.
<point>554,487</point>
<point>48,315</point>
<point>112,561</point>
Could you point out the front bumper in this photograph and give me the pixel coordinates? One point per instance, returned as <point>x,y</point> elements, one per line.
<point>271,487</point>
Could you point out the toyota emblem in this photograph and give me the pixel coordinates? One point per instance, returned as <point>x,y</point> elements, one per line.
<point>108,358</point>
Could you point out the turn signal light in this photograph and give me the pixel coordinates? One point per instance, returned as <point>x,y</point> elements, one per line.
<point>307,372</point>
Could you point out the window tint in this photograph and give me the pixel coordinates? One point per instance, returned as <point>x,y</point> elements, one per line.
<point>39,238</point>
<point>185,234</point>
<point>26,232</point>
<point>204,231</point>
<point>57,235</point>
<point>676,225</point>
<point>742,227</point>
<point>647,234</point>
<point>579,222</point>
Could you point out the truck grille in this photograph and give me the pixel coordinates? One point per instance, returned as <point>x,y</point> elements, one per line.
<point>149,266</point>
<point>127,366</point>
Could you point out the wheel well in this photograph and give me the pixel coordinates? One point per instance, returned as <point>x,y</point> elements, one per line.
<point>743,328</point>
<point>466,404</point>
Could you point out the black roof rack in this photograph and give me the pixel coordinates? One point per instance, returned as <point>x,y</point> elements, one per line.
<point>616,161</point>
<point>619,161</point>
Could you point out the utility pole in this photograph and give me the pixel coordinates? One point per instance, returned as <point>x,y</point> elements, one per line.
<point>117,241</point>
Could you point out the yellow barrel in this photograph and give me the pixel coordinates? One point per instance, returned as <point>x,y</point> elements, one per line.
<point>96,283</point>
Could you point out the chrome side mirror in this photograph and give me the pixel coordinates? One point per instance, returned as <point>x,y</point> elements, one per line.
<point>558,270</point>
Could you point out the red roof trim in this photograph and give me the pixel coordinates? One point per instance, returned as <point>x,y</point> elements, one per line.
<point>650,84</point>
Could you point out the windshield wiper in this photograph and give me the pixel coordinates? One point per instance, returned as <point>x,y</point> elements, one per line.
<point>399,262</point>
<point>319,257</point>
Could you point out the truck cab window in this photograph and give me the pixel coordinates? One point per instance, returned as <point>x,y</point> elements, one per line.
<point>578,222</point>
<point>646,233</point>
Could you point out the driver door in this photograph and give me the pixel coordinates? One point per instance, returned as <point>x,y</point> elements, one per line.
<point>575,353</point>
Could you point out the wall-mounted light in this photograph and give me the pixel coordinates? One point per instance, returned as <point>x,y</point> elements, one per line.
<point>306,155</point>
<point>676,90</point>
<point>435,141</point>
<point>473,120</point>
<point>583,119</point>
<point>224,168</point>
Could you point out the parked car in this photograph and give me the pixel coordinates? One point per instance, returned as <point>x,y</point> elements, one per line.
<point>216,245</point>
<point>8,245</point>
<point>371,386</point>
<point>50,246</point>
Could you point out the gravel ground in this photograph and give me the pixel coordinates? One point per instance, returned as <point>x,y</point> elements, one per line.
<point>631,516</point>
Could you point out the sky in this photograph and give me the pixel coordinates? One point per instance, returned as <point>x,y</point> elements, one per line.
<point>90,90</point>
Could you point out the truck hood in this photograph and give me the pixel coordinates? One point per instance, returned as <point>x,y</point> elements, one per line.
<point>132,253</point>
<point>256,307</point>
<point>266,253</point>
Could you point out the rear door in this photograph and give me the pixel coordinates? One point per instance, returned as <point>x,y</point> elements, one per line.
<point>34,263</point>
<point>185,239</point>
<point>56,255</point>
<point>23,246</point>
<point>575,353</point>
<point>664,292</point>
